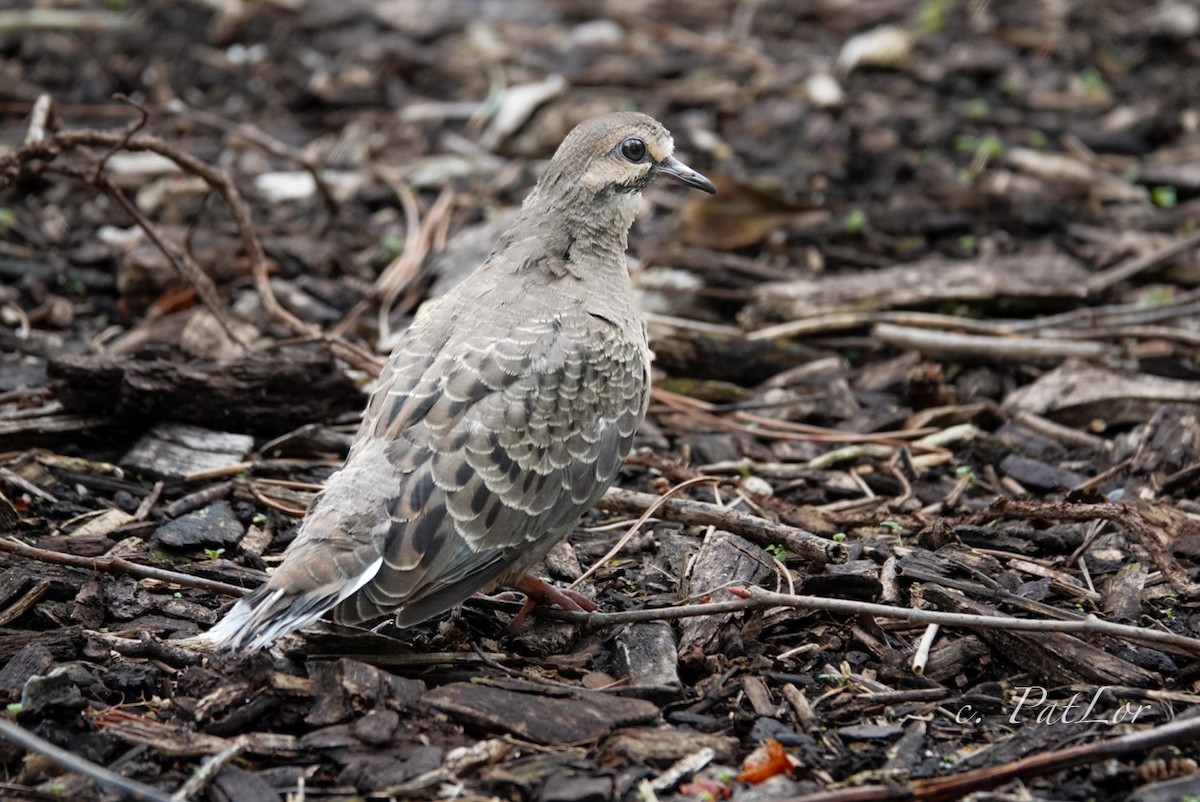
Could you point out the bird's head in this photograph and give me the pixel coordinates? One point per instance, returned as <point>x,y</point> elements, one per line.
<point>613,158</point>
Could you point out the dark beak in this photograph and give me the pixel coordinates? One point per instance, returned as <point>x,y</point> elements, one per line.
<point>677,169</point>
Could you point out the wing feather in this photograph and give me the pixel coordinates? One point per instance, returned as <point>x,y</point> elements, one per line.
<point>520,439</point>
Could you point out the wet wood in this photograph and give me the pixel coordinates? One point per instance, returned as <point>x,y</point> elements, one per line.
<point>1043,276</point>
<point>1050,655</point>
<point>264,391</point>
<point>173,451</point>
<point>528,712</point>
<point>1076,394</point>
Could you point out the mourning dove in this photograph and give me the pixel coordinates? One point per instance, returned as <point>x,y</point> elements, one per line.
<point>502,415</point>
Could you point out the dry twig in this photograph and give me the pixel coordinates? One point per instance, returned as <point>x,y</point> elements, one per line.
<point>52,147</point>
<point>760,599</point>
<point>130,789</point>
<point>119,565</point>
<point>755,529</point>
<point>957,786</point>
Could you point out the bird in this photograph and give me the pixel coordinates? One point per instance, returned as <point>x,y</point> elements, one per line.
<point>500,417</point>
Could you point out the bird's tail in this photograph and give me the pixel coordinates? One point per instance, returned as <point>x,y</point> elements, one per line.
<point>270,612</point>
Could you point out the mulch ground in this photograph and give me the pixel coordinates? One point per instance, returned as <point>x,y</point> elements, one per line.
<point>931,351</point>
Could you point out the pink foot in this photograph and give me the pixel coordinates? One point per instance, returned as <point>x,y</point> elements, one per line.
<point>538,592</point>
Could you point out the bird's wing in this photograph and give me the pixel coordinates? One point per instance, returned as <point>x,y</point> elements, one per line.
<point>499,446</point>
<point>340,543</point>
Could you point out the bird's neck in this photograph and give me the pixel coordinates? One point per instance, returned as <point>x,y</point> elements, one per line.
<point>565,255</point>
<point>595,228</point>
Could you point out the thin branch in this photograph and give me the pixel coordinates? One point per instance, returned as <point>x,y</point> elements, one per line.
<point>205,287</point>
<point>775,429</point>
<point>262,139</point>
<point>49,149</point>
<point>39,120</point>
<point>1127,516</point>
<point>956,786</point>
<point>952,346</point>
<point>759,599</point>
<point>647,511</point>
<point>400,274</point>
<point>130,789</point>
<point>1139,264</point>
<point>118,565</point>
<point>209,769</point>
<point>755,529</point>
<point>14,163</point>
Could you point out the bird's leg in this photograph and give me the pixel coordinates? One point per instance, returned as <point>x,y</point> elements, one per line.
<point>538,592</point>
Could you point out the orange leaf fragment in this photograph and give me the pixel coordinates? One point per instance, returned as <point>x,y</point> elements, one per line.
<point>765,762</point>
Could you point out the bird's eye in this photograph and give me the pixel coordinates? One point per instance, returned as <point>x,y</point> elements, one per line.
<point>633,149</point>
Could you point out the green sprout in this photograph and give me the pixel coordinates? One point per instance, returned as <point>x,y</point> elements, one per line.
<point>1163,197</point>
<point>976,108</point>
<point>855,221</point>
<point>931,18</point>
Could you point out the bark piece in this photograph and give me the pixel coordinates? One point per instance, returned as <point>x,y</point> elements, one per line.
<point>376,727</point>
<point>1123,592</point>
<point>44,693</point>
<point>537,716</point>
<point>346,687</point>
<point>759,696</point>
<point>12,582</point>
<point>265,391</point>
<point>649,655</point>
<point>215,525</point>
<point>725,560</point>
<point>174,450</point>
<point>856,579</point>
<point>171,740</point>
<point>34,659</point>
<point>662,746</point>
<point>576,788</point>
<point>1033,473</point>
<point>383,771</point>
<point>235,784</point>
<point>1077,394</point>
<point>1170,441</point>
<point>926,282</point>
<point>959,656</point>
<point>64,643</point>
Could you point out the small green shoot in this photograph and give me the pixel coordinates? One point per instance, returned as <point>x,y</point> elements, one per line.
<point>976,108</point>
<point>931,18</point>
<point>1038,139</point>
<point>855,221</point>
<point>1164,197</point>
<point>393,245</point>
